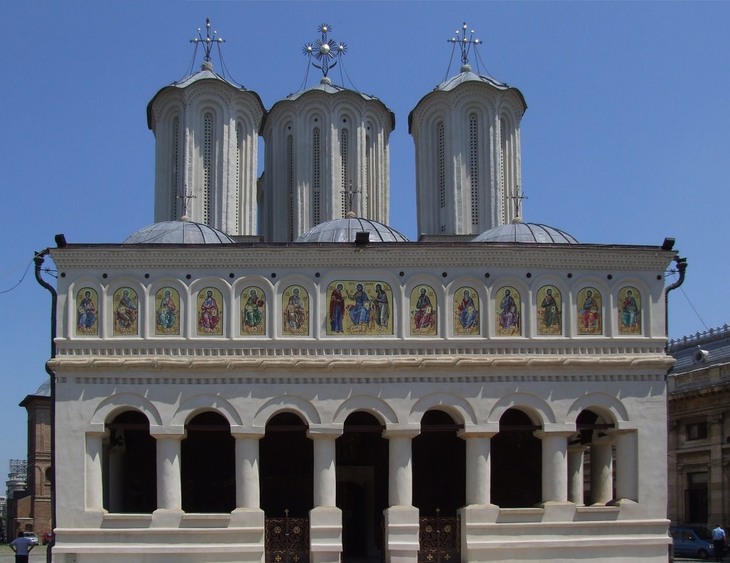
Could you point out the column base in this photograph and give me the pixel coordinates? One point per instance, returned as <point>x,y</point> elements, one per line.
<point>556,511</point>
<point>167,518</point>
<point>325,534</point>
<point>401,534</point>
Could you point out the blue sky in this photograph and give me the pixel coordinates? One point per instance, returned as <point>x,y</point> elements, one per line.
<point>626,138</point>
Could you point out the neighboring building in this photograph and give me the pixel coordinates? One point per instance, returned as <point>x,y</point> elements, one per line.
<point>31,502</point>
<point>699,429</point>
<point>331,391</point>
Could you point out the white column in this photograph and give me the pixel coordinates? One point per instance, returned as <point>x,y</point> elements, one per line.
<point>401,518</point>
<point>478,467</point>
<point>325,477</point>
<point>554,466</point>
<point>94,483</point>
<point>627,465</point>
<point>575,474</point>
<point>169,489</point>
<point>247,470</point>
<point>601,471</point>
<point>116,477</point>
<point>400,474</point>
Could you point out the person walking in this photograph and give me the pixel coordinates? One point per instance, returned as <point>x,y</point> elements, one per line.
<point>22,547</point>
<point>718,542</point>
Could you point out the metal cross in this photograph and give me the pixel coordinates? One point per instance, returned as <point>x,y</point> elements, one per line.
<point>518,200</point>
<point>349,194</point>
<point>185,197</point>
<point>326,51</point>
<point>207,41</point>
<point>465,43</point>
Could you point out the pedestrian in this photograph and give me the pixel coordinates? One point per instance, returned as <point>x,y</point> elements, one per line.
<point>718,542</point>
<point>22,547</point>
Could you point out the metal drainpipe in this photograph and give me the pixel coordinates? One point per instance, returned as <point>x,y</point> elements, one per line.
<point>39,258</point>
<point>681,267</point>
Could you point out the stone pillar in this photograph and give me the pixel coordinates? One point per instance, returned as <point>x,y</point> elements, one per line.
<point>247,471</point>
<point>94,482</point>
<point>478,467</point>
<point>401,518</point>
<point>715,491</point>
<point>169,487</point>
<point>325,519</point>
<point>601,471</point>
<point>554,466</point>
<point>116,477</point>
<point>575,474</point>
<point>627,465</point>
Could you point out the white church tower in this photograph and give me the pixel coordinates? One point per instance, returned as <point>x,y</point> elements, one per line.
<point>206,131</point>
<point>467,137</point>
<point>326,153</point>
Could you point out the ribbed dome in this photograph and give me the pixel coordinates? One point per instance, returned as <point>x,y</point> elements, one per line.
<point>178,232</point>
<point>526,232</point>
<point>44,390</point>
<point>344,230</point>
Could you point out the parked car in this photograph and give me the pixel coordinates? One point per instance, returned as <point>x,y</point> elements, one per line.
<point>692,542</point>
<point>32,537</point>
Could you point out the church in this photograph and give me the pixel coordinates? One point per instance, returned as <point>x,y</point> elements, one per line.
<point>270,372</point>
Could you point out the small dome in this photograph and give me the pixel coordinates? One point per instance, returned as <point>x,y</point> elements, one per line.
<point>178,232</point>
<point>344,230</point>
<point>526,232</point>
<point>44,390</point>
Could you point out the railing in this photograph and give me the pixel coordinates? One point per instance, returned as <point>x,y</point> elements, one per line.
<point>286,539</point>
<point>439,538</point>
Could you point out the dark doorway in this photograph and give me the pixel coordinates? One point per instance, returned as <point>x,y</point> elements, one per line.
<point>286,456</point>
<point>362,487</point>
<point>208,465</point>
<point>516,462</point>
<point>130,465</point>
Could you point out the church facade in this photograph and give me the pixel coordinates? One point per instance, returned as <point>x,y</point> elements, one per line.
<point>270,373</point>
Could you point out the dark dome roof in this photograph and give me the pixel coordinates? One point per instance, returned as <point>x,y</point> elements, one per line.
<point>526,232</point>
<point>344,230</point>
<point>178,232</point>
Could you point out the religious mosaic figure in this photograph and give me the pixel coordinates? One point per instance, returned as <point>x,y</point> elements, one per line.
<point>508,312</point>
<point>167,311</point>
<point>550,313</point>
<point>423,311</point>
<point>466,308</point>
<point>589,311</point>
<point>629,314</point>
<point>359,307</point>
<point>86,312</point>
<point>125,311</point>
<point>337,309</point>
<point>210,312</point>
<point>295,302</point>
<point>253,320</point>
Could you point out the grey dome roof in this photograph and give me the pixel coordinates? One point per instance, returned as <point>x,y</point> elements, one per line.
<point>526,232</point>
<point>44,390</point>
<point>178,232</point>
<point>344,230</point>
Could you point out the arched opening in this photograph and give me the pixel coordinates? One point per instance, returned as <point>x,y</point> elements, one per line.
<point>286,467</point>
<point>130,465</point>
<point>362,486</point>
<point>207,465</point>
<point>598,457</point>
<point>439,468</point>
<point>516,462</point>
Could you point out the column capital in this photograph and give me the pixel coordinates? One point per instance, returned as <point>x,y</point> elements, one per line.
<point>168,432</point>
<point>241,433</point>
<point>328,432</point>
<point>488,430</point>
<point>401,432</point>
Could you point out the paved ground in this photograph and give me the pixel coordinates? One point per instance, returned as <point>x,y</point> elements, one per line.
<point>38,555</point>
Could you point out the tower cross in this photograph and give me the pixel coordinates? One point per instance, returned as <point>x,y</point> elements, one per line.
<point>349,194</point>
<point>207,41</point>
<point>185,197</point>
<point>327,51</point>
<point>465,43</point>
<point>518,201</point>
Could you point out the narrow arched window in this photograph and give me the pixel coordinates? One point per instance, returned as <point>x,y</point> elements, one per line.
<point>238,172</point>
<point>441,170</point>
<point>316,176</point>
<point>474,167</point>
<point>208,160</point>
<point>345,172</point>
<point>506,190</point>
<point>175,167</point>
<point>290,184</point>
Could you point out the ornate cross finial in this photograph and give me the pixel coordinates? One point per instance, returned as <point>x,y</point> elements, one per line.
<point>465,43</point>
<point>349,193</point>
<point>325,50</point>
<point>207,41</point>
<point>518,201</point>
<point>185,197</point>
